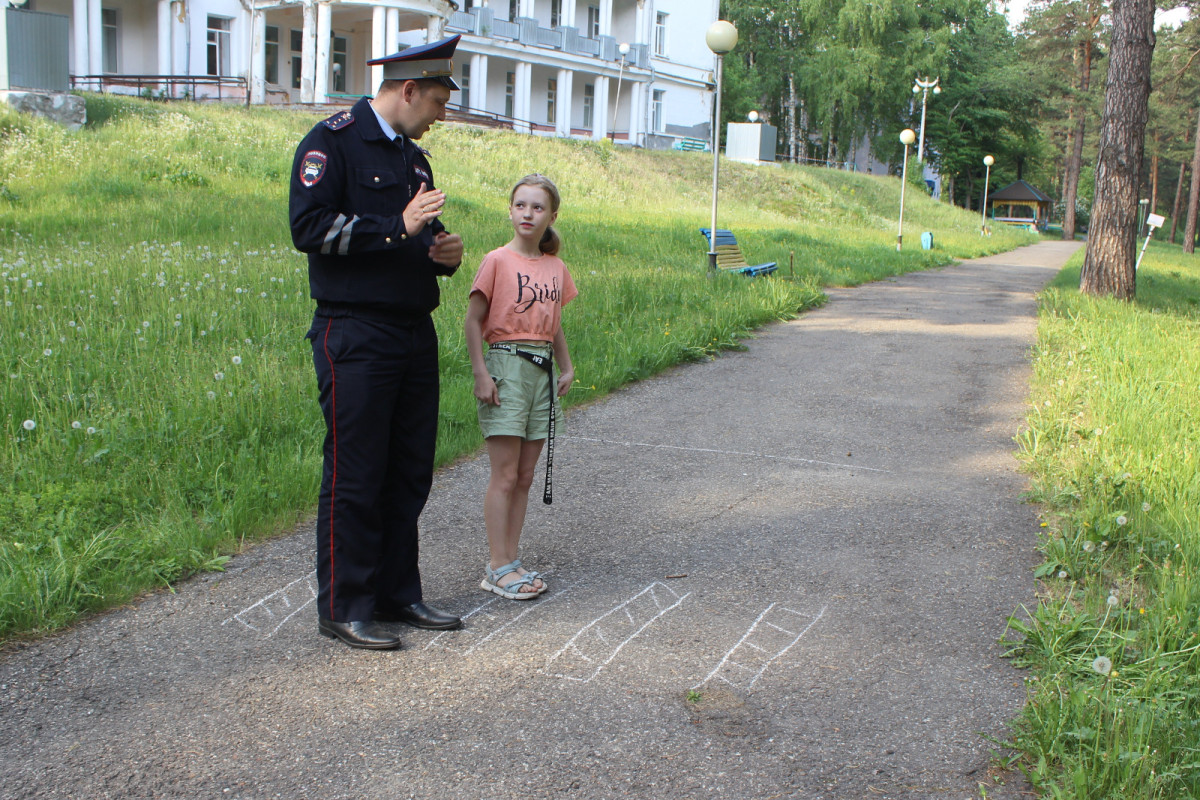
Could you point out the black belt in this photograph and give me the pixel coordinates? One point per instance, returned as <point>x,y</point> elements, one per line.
<point>546,363</point>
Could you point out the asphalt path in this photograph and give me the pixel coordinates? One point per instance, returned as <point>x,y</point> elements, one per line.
<point>781,573</point>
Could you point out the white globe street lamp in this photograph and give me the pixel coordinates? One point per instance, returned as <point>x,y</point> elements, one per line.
<point>721,38</point>
<point>987,162</point>
<point>907,137</point>
<point>623,49</point>
<point>923,87</point>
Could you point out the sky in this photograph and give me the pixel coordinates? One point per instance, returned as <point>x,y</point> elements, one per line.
<point>1016,13</point>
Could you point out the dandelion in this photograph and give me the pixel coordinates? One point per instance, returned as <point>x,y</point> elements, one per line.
<point>212,395</point>
<point>237,360</point>
<point>1098,431</point>
<point>1089,546</point>
<point>1112,600</point>
<point>1121,520</point>
<point>1062,574</point>
<point>90,430</point>
<point>219,376</point>
<point>76,425</point>
<point>28,424</point>
<point>1102,665</point>
<point>145,324</point>
<point>1145,507</point>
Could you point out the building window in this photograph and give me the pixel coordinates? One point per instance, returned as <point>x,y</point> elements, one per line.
<point>218,45</point>
<point>660,34</point>
<point>339,63</point>
<point>468,5</point>
<point>514,10</point>
<point>657,112</point>
<point>464,85</point>
<point>272,53</point>
<point>510,81</point>
<point>297,47</point>
<point>589,102</point>
<point>551,99</point>
<point>555,13</point>
<point>593,28</point>
<point>108,42</point>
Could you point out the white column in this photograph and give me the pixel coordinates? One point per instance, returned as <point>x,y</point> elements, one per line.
<point>308,52</point>
<point>321,75</point>
<point>391,32</point>
<point>526,8</point>
<point>600,104</point>
<point>639,24</point>
<point>562,114</point>
<point>523,95</point>
<point>95,32</point>
<point>637,97</point>
<point>479,84</point>
<point>606,17</point>
<point>164,37</point>
<point>258,58</point>
<point>568,14</point>
<point>79,18</point>
<point>378,23</point>
<point>434,26</point>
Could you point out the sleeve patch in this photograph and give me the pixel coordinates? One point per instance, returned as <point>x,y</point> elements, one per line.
<point>338,120</point>
<point>312,167</point>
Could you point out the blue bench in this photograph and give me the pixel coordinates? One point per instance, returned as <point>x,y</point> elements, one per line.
<point>691,145</point>
<point>730,258</point>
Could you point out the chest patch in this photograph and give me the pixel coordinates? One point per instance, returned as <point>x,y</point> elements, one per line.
<point>312,167</point>
<point>420,173</point>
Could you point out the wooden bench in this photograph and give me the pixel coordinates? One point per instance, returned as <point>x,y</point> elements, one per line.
<point>691,145</point>
<point>730,258</point>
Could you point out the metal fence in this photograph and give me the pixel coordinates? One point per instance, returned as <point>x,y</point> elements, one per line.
<point>167,87</point>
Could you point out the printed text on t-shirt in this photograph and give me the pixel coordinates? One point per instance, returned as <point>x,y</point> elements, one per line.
<point>528,294</point>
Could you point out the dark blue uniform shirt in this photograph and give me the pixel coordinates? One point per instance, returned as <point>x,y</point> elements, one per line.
<point>350,185</point>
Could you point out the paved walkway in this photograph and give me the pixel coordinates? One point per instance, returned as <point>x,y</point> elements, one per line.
<point>778,574</point>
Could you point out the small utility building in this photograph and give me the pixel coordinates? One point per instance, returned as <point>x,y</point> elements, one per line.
<point>1022,204</point>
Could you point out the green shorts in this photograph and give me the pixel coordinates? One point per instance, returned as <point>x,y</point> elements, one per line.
<point>524,390</point>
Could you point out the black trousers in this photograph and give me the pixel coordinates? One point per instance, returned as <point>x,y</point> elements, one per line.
<point>378,381</point>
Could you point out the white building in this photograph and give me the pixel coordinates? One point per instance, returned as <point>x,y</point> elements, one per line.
<point>636,70</point>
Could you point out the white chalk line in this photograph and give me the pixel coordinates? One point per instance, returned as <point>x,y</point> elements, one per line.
<point>834,464</point>
<point>531,606</point>
<point>288,603</point>
<point>769,661</point>
<point>570,645</point>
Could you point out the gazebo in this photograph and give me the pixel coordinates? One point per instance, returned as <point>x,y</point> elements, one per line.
<point>1025,205</point>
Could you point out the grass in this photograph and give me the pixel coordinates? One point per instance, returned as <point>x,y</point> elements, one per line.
<point>1112,446</point>
<point>154,311</point>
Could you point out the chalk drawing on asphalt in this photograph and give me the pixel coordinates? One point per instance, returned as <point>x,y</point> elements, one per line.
<point>489,611</point>
<point>272,612</point>
<point>595,645</point>
<point>775,632</point>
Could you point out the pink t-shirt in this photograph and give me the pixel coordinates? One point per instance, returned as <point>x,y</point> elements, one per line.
<point>525,295</point>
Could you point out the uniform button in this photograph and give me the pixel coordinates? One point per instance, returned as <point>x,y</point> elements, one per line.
<point>387,240</point>
<point>377,179</point>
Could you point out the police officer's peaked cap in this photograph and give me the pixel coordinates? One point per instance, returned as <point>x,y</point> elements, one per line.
<point>427,62</point>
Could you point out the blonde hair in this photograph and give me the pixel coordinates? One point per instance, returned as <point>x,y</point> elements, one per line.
<point>551,242</point>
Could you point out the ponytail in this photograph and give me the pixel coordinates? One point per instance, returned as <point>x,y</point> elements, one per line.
<point>551,242</point>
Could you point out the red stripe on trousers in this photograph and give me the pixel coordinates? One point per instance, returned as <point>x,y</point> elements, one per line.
<point>333,480</point>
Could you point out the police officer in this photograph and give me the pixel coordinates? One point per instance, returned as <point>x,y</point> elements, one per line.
<point>365,209</point>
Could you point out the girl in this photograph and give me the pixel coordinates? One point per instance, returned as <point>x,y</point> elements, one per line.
<point>516,307</point>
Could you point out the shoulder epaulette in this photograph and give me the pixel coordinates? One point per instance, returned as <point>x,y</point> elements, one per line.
<point>424,152</point>
<point>339,120</point>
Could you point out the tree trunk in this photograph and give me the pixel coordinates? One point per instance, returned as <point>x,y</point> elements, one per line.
<point>1189,225</point>
<point>1178,195</point>
<point>1075,157</point>
<point>791,119</point>
<point>950,189</point>
<point>1108,267</point>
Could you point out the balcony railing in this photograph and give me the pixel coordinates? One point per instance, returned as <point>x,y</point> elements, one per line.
<point>525,30</point>
<point>166,87</point>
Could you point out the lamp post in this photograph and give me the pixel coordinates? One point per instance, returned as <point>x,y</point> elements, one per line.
<point>752,116</point>
<point>721,38</point>
<point>907,137</point>
<point>923,86</point>
<point>623,49</point>
<point>987,176</point>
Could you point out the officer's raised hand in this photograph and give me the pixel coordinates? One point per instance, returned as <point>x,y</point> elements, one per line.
<point>425,207</point>
<point>447,249</point>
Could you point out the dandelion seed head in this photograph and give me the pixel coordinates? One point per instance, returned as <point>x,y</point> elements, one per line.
<point>28,424</point>
<point>90,430</point>
<point>76,424</point>
<point>47,352</point>
<point>1102,665</point>
<point>212,395</point>
<point>219,376</point>
<point>1112,600</point>
<point>1089,546</point>
<point>237,359</point>
<point>1121,520</point>
<point>1062,573</point>
<point>1145,506</point>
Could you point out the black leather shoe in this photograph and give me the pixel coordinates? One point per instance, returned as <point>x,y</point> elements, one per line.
<point>420,615</point>
<point>367,635</point>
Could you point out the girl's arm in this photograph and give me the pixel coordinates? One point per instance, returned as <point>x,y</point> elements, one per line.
<point>485,387</point>
<point>566,374</point>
